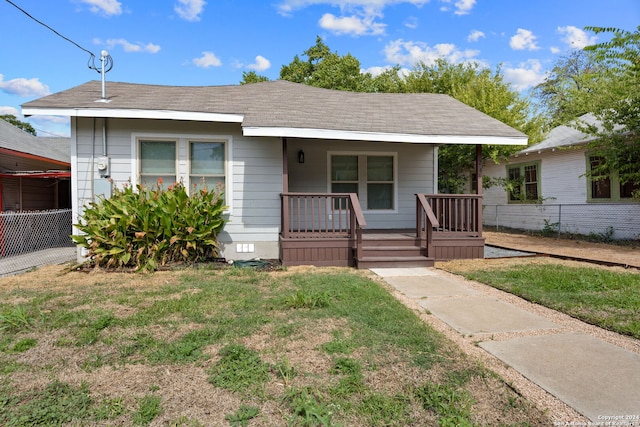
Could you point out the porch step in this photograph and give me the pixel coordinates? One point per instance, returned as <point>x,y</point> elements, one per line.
<point>392,251</point>
<point>394,262</point>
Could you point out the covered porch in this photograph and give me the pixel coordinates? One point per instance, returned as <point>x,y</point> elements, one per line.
<point>331,230</point>
<point>349,228</point>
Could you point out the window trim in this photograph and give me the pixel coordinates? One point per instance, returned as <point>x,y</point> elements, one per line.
<point>183,155</point>
<point>362,177</point>
<point>614,183</point>
<point>522,166</point>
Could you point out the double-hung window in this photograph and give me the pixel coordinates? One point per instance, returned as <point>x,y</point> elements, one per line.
<point>207,164</point>
<point>158,160</point>
<point>605,185</point>
<point>371,176</point>
<point>524,183</point>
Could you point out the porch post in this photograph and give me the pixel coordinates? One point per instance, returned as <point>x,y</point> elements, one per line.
<point>284,202</point>
<point>285,167</point>
<point>479,188</point>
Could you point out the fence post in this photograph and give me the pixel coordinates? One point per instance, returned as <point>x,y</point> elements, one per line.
<point>559,220</point>
<point>497,222</point>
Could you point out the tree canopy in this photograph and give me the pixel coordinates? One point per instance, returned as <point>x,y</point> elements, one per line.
<point>18,123</point>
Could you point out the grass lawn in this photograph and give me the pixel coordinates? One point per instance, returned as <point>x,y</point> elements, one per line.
<point>605,297</point>
<point>233,347</point>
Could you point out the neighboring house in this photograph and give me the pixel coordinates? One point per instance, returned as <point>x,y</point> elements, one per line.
<point>555,194</point>
<point>34,171</point>
<point>305,170</point>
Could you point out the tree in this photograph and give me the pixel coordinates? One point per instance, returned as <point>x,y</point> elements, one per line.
<point>326,69</point>
<point>563,92</point>
<point>18,123</point>
<point>486,91</point>
<point>615,102</point>
<point>249,77</point>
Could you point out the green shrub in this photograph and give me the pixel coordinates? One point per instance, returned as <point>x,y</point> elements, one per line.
<point>144,228</point>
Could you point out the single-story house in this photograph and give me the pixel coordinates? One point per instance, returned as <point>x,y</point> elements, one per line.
<point>555,194</point>
<point>34,171</point>
<point>311,176</point>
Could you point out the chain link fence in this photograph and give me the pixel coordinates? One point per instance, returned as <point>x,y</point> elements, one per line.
<point>610,221</point>
<point>31,239</point>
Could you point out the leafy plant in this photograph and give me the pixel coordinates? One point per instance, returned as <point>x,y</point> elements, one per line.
<point>57,404</point>
<point>550,228</point>
<point>451,405</point>
<point>110,408</point>
<point>241,417</point>
<point>24,345</point>
<point>308,408</point>
<point>304,298</point>
<point>148,408</point>
<point>16,319</point>
<point>284,370</point>
<point>239,369</point>
<point>146,228</point>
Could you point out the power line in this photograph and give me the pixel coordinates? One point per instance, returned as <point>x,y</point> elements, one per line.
<point>92,59</point>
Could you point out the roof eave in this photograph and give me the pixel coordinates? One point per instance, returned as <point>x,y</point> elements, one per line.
<point>134,114</point>
<point>381,137</point>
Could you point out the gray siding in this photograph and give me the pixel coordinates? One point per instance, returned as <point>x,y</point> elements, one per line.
<point>255,166</point>
<point>415,166</point>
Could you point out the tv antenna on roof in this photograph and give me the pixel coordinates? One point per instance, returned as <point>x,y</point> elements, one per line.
<point>106,66</point>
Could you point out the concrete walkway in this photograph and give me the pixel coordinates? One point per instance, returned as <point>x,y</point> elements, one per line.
<point>596,378</point>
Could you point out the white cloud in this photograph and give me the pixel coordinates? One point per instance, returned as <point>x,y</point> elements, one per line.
<point>5,109</point>
<point>411,22</point>
<point>130,47</point>
<point>524,39</point>
<point>24,87</point>
<point>409,52</point>
<point>576,38</point>
<point>526,75</point>
<point>107,7</point>
<point>261,64</point>
<point>462,7</point>
<point>286,7</point>
<point>190,10</point>
<point>354,25</point>
<point>376,71</point>
<point>475,35</point>
<point>554,50</point>
<point>208,59</point>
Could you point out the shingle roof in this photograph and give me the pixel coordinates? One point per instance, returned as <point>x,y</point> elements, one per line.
<point>282,104</point>
<point>15,139</point>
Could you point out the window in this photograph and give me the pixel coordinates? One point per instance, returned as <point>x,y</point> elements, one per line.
<point>207,165</point>
<point>600,183</point>
<point>524,183</point>
<point>192,160</point>
<point>605,185</point>
<point>371,176</point>
<point>157,161</point>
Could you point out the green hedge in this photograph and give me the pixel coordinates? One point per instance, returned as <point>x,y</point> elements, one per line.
<point>145,228</point>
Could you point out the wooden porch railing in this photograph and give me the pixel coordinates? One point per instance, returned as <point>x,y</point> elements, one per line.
<point>447,215</point>
<point>321,215</point>
<point>426,221</point>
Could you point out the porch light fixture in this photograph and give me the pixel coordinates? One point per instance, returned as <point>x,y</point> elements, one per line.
<point>300,156</point>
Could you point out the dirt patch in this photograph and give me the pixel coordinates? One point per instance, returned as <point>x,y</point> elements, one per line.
<point>624,255</point>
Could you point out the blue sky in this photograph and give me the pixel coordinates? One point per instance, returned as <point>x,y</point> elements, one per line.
<point>198,42</point>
